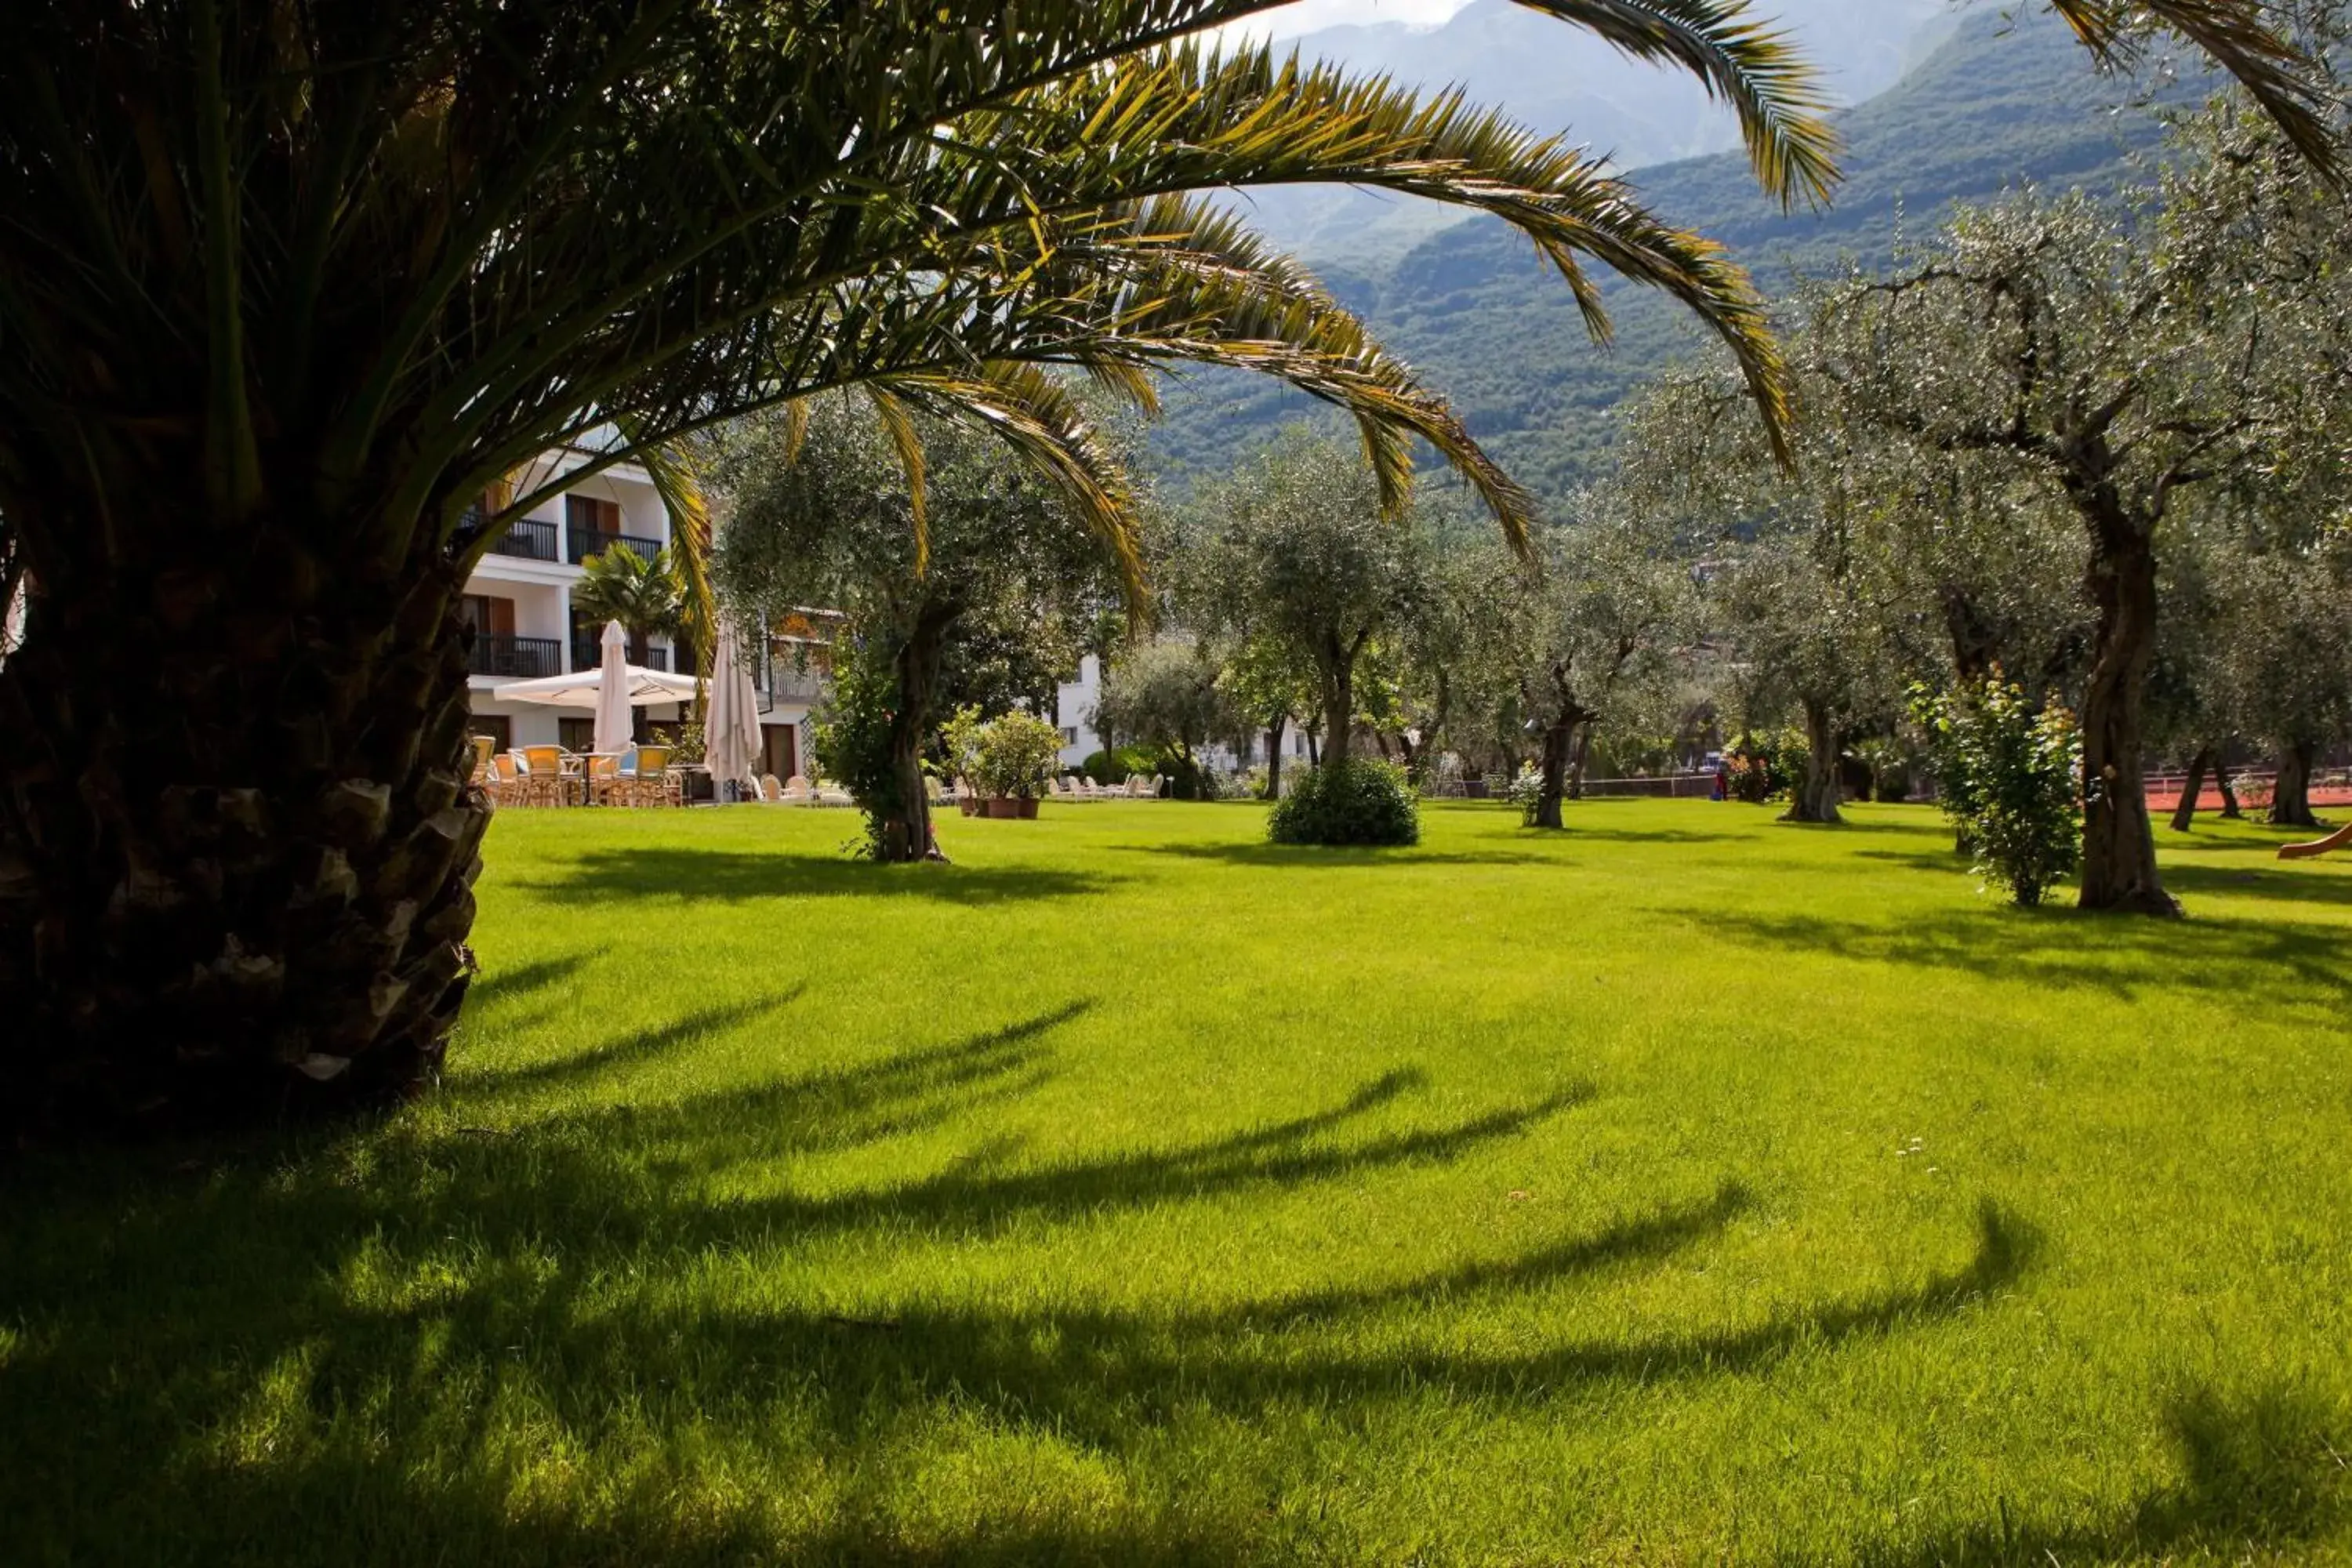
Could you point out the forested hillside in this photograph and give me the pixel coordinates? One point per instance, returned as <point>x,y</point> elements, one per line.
<point>2000,104</point>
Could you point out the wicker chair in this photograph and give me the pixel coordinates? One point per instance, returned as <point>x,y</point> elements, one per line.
<point>653,784</point>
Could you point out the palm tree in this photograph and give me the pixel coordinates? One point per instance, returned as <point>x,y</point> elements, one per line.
<point>284,288</point>
<point>646,596</point>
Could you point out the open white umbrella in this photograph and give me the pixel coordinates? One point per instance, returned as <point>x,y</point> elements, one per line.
<point>612,693</point>
<point>731,730</point>
<point>582,687</point>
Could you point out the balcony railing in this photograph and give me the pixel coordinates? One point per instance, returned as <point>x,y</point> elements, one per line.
<point>588,653</point>
<point>502,653</point>
<point>580,544</point>
<point>529,540</point>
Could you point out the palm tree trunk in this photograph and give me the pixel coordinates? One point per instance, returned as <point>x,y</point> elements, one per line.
<point>236,835</point>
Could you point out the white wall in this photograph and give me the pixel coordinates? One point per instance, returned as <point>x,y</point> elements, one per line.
<point>1074,701</point>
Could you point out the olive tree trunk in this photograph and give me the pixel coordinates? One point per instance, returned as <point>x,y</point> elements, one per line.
<point>1274,757</point>
<point>2184,814</point>
<point>2291,796</point>
<point>2118,843</point>
<point>2228,787</point>
<point>903,827</point>
<point>238,837</point>
<point>1559,736</point>
<point>1339,680</point>
<point>1816,795</point>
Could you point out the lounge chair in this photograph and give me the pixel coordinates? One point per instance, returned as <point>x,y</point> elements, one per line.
<point>833,794</point>
<point>771,791</point>
<point>797,791</point>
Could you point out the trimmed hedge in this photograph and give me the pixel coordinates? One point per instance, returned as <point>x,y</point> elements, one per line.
<point>1356,802</point>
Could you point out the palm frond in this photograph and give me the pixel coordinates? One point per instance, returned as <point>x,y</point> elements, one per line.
<point>1035,414</point>
<point>908,443</point>
<point>2237,36</point>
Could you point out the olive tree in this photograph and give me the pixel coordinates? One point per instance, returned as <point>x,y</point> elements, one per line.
<point>1616,608</point>
<point>1166,693</point>
<point>1309,555</point>
<point>912,532</point>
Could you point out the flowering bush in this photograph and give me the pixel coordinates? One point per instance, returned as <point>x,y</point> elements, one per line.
<point>1526,792</point>
<point>2007,774</point>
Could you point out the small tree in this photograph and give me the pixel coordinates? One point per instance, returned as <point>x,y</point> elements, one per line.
<point>2009,783</point>
<point>1268,687</point>
<point>1295,546</point>
<point>1167,694</point>
<point>829,511</point>
<point>1615,603</point>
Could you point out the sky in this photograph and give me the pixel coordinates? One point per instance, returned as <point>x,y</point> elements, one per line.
<point>1306,15</point>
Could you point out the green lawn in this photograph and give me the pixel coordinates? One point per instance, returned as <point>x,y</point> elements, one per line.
<point>1685,1188</point>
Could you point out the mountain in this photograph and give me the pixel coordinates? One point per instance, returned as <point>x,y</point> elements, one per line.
<point>1558,80</point>
<point>1998,102</point>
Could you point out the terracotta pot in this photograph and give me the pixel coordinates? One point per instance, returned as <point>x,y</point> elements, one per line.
<point>1028,804</point>
<point>1003,806</point>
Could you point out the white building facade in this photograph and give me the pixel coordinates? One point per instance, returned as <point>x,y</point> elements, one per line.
<point>518,601</point>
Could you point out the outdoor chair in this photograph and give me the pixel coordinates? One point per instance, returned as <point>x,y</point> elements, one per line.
<point>770,790</point>
<point>484,749</point>
<point>652,782</point>
<point>833,794</point>
<point>543,775</point>
<point>505,784</point>
<point>796,791</point>
<point>602,777</point>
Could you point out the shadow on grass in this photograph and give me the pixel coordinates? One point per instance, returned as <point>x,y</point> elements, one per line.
<point>1296,856</point>
<point>496,987</point>
<point>733,876</point>
<point>2063,947</point>
<point>2261,1472</point>
<point>629,1050</point>
<point>2279,881</point>
<point>362,1341</point>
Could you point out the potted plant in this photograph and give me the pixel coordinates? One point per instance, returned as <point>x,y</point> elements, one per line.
<point>1016,758</point>
<point>959,737</point>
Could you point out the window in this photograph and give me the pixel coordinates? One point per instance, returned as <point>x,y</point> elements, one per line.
<point>1069,736</point>
<point>576,735</point>
<point>587,514</point>
<point>489,614</point>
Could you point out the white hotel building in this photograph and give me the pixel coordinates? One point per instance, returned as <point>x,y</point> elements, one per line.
<point>518,601</point>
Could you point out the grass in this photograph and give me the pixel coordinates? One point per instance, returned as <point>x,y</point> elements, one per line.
<point>1687,1187</point>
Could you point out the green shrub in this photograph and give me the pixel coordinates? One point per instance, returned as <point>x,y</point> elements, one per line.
<point>2008,774</point>
<point>853,739</point>
<point>1018,754</point>
<point>1120,763</point>
<point>1356,802</point>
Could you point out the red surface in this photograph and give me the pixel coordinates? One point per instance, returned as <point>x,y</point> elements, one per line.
<point>2164,795</point>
